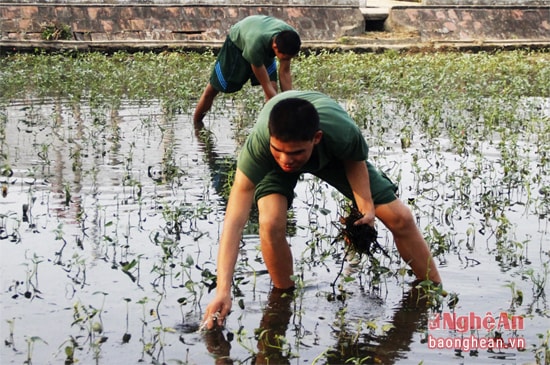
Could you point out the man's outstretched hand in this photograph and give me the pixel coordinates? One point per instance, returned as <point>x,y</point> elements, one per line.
<point>216,312</point>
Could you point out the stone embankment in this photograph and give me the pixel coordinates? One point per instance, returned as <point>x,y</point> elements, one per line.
<point>381,24</point>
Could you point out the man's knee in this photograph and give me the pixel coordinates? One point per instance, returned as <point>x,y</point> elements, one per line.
<point>272,217</point>
<point>210,92</point>
<point>396,216</point>
<point>405,218</point>
<point>271,228</point>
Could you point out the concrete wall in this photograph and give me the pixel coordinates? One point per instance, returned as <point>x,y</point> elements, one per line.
<point>102,22</point>
<point>487,2</point>
<point>352,3</point>
<point>195,2</point>
<point>22,25</point>
<point>472,23</point>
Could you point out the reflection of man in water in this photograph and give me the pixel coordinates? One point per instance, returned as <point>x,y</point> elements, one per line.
<point>218,346</point>
<point>270,335</point>
<point>273,326</point>
<point>409,316</point>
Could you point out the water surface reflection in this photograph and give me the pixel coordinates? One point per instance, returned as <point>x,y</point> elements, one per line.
<point>110,218</point>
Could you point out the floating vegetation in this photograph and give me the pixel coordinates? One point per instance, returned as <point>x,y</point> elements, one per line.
<point>112,208</point>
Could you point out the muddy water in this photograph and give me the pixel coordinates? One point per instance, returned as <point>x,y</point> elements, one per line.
<point>109,226</point>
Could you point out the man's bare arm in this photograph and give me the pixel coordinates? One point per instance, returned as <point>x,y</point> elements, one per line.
<point>236,216</point>
<point>285,77</point>
<point>358,177</point>
<point>263,78</point>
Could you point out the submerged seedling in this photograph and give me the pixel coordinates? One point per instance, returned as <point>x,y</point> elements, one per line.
<point>433,294</point>
<point>31,341</point>
<point>10,342</point>
<point>542,351</point>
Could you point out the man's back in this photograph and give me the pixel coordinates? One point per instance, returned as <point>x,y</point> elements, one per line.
<point>254,36</point>
<point>342,139</point>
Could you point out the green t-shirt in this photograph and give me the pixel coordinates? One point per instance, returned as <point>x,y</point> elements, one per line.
<point>342,138</point>
<point>254,36</point>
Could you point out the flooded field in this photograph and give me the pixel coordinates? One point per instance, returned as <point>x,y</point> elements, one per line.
<point>112,207</point>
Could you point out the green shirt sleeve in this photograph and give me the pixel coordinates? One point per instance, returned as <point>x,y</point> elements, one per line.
<point>255,159</point>
<point>254,162</point>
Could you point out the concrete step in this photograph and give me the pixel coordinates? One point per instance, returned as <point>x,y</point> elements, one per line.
<point>378,10</point>
<point>375,14</point>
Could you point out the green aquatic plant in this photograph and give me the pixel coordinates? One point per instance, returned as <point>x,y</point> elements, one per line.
<point>31,281</point>
<point>539,280</point>
<point>88,319</point>
<point>31,341</point>
<point>10,224</point>
<point>70,347</point>
<point>10,341</point>
<point>153,341</point>
<point>432,294</point>
<point>132,269</point>
<point>194,288</point>
<point>542,351</point>
<point>178,76</point>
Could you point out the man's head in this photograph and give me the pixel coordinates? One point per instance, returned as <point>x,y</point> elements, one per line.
<point>286,44</point>
<point>293,132</point>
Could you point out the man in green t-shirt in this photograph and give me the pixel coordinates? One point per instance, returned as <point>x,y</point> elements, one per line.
<point>248,53</point>
<point>306,132</point>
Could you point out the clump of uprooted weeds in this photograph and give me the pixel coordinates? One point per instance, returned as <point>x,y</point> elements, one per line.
<point>363,238</point>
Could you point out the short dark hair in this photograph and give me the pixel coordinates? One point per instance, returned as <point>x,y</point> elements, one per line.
<point>288,42</point>
<point>293,119</point>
